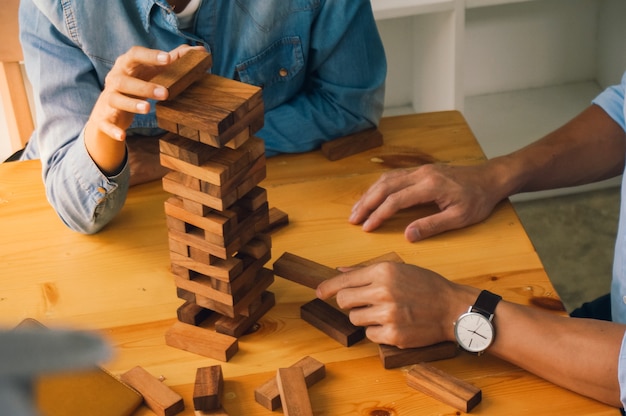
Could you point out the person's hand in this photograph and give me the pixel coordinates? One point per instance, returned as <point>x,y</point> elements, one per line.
<point>464,194</point>
<point>126,92</point>
<point>399,304</point>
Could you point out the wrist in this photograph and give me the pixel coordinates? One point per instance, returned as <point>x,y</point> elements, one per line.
<point>461,298</point>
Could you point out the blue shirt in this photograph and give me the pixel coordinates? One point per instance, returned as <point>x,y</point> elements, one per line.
<point>331,51</point>
<point>612,101</point>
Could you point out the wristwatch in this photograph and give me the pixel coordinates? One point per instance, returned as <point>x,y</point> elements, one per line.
<point>474,330</point>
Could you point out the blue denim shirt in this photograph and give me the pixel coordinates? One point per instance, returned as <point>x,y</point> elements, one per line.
<point>331,50</point>
<point>612,101</point>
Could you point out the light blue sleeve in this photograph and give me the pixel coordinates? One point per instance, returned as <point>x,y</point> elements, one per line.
<point>612,101</point>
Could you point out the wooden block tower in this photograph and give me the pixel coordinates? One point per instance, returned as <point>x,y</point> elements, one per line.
<point>217,213</point>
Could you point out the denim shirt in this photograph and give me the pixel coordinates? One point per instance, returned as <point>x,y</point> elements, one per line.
<point>333,84</point>
<point>612,101</point>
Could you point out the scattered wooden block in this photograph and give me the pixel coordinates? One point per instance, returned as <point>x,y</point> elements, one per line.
<point>390,257</point>
<point>208,388</point>
<point>201,341</point>
<point>303,271</point>
<point>444,387</point>
<point>267,394</point>
<point>355,143</point>
<point>158,397</point>
<point>294,395</point>
<point>188,69</point>
<point>393,357</point>
<point>332,322</point>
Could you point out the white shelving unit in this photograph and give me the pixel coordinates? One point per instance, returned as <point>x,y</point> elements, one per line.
<point>517,69</point>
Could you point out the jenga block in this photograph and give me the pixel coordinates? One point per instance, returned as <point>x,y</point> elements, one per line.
<point>158,397</point>
<point>185,295</point>
<point>252,122</point>
<point>201,287</point>
<point>251,94</point>
<point>189,151</point>
<point>192,314</point>
<point>444,387</point>
<point>194,114</point>
<point>390,257</point>
<point>223,269</point>
<point>236,327</point>
<point>248,178</point>
<point>208,388</point>
<point>267,394</point>
<point>393,357</point>
<point>277,219</point>
<point>303,271</point>
<point>210,171</point>
<point>204,91</point>
<point>254,199</point>
<point>216,222</point>
<point>294,395</point>
<point>257,247</point>
<point>332,322</point>
<point>240,139</point>
<point>201,341</point>
<point>183,72</point>
<point>355,143</point>
<point>238,303</point>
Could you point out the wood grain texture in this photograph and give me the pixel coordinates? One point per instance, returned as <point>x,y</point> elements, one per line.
<point>303,271</point>
<point>332,322</point>
<point>238,326</point>
<point>268,395</point>
<point>294,395</point>
<point>201,341</point>
<point>443,386</point>
<point>208,388</point>
<point>393,357</point>
<point>352,144</point>
<point>183,72</point>
<point>161,399</point>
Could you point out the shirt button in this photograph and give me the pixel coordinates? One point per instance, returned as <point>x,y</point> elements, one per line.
<point>102,190</point>
<point>283,72</point>
<point>624,299</point>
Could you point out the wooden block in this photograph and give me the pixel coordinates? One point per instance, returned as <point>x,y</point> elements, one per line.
<point>251,94</point>
<point>393,357</point>
<point>201,341</point>
<point>277,219</point>
<point>195,115</point>
<point>294,395</point>
<point>251,122</point>
<point>251,176</point>
<point>158,397</point>
<point>303,271</point>
<point>192,314</point>
<point>186,70</point>
<point>444,387</point>
<point>216,222</point>
<point>332,322</point>
<point>204,91</point>
<point>187,150</point>
<point>208,388</point>
<point>355,143</point>
<point>238,326</point>
<point>390,257</point>
<point>210,171</point>
<point>238,303</point>
<point>222,269</point>
<point>267,394</point>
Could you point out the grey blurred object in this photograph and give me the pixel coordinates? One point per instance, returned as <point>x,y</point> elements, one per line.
<point>30,351</point>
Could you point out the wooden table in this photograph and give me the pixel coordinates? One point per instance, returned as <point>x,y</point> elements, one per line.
<point>118,281</point>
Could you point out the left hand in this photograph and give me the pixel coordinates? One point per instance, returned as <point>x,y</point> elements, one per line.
<point>400,304</point>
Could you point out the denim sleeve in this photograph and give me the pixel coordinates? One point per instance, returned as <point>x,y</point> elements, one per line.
<point>344,90</point>
<point>65,90</point>
<point>611,100</point>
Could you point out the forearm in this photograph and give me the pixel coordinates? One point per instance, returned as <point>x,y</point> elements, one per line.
<point>589,148</point>
<point>579,354</point>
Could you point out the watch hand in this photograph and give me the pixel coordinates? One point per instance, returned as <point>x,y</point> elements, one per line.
<point>480,335</point>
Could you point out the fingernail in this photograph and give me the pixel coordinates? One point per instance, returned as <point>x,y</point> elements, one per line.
<point>366,225</point>
<point>160,92</point>
<point>412,235</point>
<point>162,57</point>
<point>143,107</point>
<point>352,217</point>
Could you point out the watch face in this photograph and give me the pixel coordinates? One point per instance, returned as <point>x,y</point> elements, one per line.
<point>474,332</point>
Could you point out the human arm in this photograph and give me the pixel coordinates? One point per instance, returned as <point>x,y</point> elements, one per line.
<point>408,306</point>
<point>588,148</point>
<point>343,87</point>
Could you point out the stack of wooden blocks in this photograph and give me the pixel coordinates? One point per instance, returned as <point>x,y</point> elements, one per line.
<point>217,214</point>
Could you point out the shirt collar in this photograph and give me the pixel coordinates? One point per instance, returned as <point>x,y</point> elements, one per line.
<point>145,8</point>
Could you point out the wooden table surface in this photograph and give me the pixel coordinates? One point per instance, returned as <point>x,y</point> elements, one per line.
<point>118,281</point>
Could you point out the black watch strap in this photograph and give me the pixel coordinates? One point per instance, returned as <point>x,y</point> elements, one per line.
<point>486,303</point>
